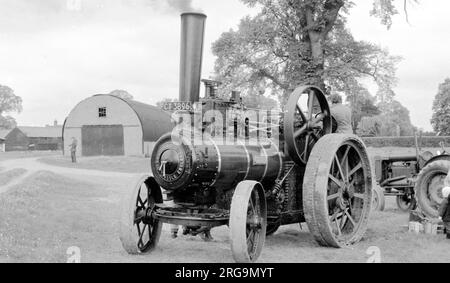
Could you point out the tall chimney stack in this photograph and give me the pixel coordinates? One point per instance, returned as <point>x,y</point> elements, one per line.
<point>192,36</point>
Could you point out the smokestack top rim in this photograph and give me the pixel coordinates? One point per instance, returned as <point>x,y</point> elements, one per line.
<point>194,14</point>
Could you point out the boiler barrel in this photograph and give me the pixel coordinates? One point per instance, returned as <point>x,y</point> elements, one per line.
<point>177,164</point>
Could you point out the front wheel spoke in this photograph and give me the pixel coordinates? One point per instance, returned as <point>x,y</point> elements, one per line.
<point>250,237</point>
<point>252,205</point>
<point>140,202</point>
<point>143,232</point>
<point>351,219</point>
<point>338,227</point>
<point>344,219</point>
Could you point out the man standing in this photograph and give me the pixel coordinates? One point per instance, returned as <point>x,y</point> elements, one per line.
<point>342,114</point>
<point>73,150</point>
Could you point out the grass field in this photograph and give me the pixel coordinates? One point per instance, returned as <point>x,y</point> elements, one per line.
<point>46,214</point>
<point>7,176</point>
<point>114,164</point>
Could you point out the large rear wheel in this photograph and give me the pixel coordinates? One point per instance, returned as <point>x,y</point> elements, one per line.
<point>248,222</point>
<point>337,190</point>
<point>429,185</point>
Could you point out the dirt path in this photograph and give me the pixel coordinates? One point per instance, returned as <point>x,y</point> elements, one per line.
<point>112,179</point>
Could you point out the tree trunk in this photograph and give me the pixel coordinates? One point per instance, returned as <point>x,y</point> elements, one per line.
<point>317,61</point>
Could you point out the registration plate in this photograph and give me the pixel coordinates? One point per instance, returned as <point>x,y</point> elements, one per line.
<point>177,106</point>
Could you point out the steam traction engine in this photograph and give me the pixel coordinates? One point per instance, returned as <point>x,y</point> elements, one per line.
<point>250,170</point>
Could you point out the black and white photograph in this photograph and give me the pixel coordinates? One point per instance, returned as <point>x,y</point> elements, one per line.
<point>204,133</point>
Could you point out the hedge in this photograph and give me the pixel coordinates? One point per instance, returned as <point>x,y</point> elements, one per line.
<point>405,141</point>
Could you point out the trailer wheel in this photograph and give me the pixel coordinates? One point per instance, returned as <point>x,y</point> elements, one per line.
<point>337,190</point>
<point>379,200</point>
<point>248,222</point>
<point>139,232</point>
<point>429,185</point>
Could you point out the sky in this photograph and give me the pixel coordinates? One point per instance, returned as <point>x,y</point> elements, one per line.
<point>55,53</point>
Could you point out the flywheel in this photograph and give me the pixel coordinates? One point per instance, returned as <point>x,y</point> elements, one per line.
<point>306,120</point>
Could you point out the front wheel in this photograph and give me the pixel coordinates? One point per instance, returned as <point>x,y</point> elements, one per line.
<point>379,200</point>
<point>139,231</point>
<point>337,190</point>
<point>248,222</point>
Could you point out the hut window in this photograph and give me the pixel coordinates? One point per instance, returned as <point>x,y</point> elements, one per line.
<point>102,112</point>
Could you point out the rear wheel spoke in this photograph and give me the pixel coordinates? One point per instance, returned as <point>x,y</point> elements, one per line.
<point>335,180</point>
<point>333,197</point>
<point>355,169</point>
<point>338,163</point>
<point>359,196</point>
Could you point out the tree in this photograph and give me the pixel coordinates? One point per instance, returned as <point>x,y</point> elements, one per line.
<point>259,101</point>
<point>369,127</point>
<point>395,119</point>
<point>363,105</point>
<point>441,109</point>
<point>122,94</point>
<point>9,102</point>
<point>293,42</point>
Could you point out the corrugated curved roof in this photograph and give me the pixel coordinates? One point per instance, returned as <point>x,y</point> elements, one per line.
<point>155,121</point>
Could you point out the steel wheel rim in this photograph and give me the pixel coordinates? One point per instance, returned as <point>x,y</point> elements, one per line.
<point>303,128</point>
<point>347,195</point>
<point>146,227</point>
